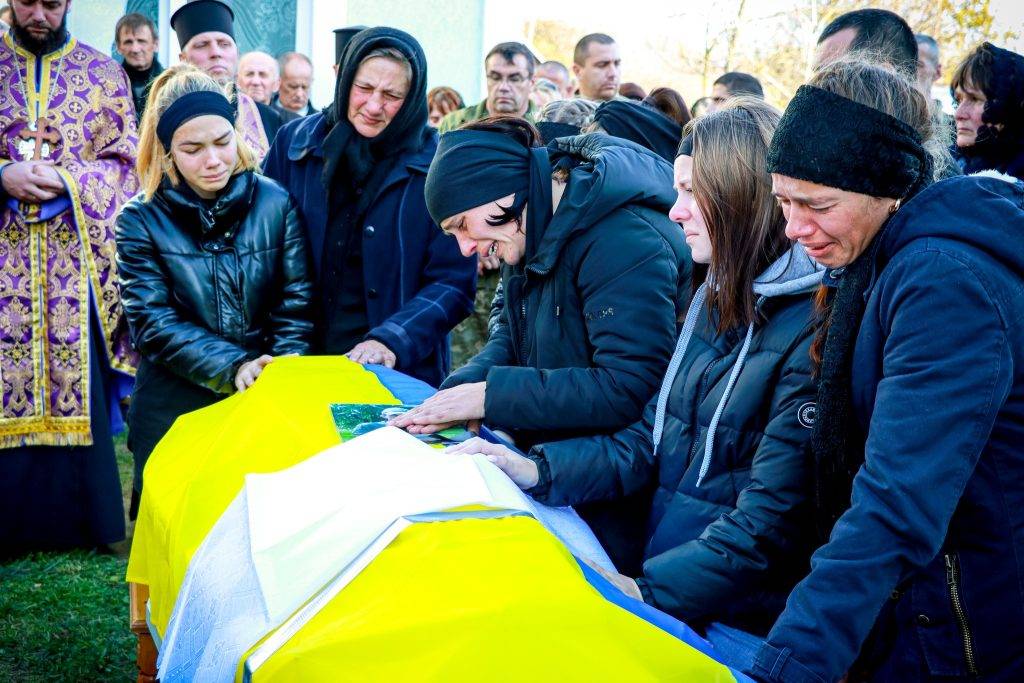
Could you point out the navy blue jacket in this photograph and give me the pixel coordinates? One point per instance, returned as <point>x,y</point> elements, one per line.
<point>588,329</point>
<point>588,325</point>
<point>417,284</point>
<point>923,576</point>
<point>730,544</point>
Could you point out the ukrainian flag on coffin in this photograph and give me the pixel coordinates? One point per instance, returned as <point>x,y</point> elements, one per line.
<point>378,559</point>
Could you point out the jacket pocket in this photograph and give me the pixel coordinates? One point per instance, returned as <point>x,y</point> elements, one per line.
<point>938,617</point>
<point>954,585</point>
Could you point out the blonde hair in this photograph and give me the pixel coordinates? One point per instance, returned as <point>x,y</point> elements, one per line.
<point>154,162</point>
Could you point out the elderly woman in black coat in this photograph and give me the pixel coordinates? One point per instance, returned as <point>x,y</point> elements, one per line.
<point>212,258</point>
<point>391,285</point>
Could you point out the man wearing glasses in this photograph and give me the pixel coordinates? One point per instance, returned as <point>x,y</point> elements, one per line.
<point>509,68</point>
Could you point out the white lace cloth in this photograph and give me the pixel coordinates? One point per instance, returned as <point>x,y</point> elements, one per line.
<point>287,534</point>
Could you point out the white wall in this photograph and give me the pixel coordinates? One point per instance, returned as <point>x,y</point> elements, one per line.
<point>325,16</point>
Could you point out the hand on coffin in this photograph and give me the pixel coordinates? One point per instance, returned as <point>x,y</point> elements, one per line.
<point>250,371</point>
<point>620,581</point>
<point>373,352</point>
<point>444,409</point>
<point>522,471</point>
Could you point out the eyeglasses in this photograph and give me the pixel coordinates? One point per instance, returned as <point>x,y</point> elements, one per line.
<point>514,79</point>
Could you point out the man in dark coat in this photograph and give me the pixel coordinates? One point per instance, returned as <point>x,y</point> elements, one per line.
<point>391,284</point>
<point>135,37</point>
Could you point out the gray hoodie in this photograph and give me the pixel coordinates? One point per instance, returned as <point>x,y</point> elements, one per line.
<point>792,273</point>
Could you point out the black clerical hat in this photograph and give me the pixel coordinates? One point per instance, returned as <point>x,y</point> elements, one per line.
<point>200,16</point>
<point>341,38</point>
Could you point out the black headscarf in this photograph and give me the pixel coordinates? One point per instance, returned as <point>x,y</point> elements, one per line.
<point>360,162</point>
<point>1001,148</point>
<point>355,168</point>
<point>830,140</point>
<point>474,167</point>
<point>640,124</point>
<point>549,130</point>
<point>685,147</point>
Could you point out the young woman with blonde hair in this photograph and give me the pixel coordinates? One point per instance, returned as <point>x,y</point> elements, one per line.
<point>213,261</point>
<point>723,444</point>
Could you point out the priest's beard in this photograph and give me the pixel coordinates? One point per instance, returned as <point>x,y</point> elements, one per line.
<point>54,38</point>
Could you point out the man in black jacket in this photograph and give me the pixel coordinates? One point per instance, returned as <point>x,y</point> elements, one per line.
<point>135,37</point>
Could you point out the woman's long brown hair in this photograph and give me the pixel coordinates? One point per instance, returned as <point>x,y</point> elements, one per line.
<point>733,189</point>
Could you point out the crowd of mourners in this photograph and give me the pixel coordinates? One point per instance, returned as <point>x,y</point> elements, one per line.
<point>771,357</point>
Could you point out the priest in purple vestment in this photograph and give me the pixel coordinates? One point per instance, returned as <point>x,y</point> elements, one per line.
<point>67,154</point>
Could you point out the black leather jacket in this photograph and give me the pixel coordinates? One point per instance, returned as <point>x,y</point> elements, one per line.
<point>207,286</point>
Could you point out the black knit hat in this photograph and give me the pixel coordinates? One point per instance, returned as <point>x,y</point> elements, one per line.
<point>201,16</point>
<point>831,140</point>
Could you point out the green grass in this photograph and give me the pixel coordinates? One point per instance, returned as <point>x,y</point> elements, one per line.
<point>64,616</point>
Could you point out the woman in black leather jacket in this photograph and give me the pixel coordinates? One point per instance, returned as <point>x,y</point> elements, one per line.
<point>213,261</point>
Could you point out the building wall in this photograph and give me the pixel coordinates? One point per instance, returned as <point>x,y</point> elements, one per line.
<point>451,32</point>
<point>93,21</point>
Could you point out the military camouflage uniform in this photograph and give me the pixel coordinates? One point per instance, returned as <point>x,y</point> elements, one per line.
<point>471,334</point>
<point>454,119</point>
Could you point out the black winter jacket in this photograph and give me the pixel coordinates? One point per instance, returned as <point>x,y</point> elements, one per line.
<point>206,287</point>
<point>731,547</point>
<point>588,324</point>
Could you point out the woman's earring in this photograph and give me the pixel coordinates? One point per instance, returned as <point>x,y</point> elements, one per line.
<point>895,207</point>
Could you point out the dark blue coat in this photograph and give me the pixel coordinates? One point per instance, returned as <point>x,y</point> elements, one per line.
<point>587,330</point>
<point>588,325</point>
<point>417,284</point>
<point>730,546</point>
<point>929,560</point>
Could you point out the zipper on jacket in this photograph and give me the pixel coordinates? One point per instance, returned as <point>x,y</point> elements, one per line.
<point>206,215</point>
<point>240,293</point>
<point>522,329</point>
<point>953,581</point>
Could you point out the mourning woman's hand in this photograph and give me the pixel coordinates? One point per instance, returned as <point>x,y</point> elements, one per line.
<point>444,409</point>
<point>249,372</point>
<point>522,471</point>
